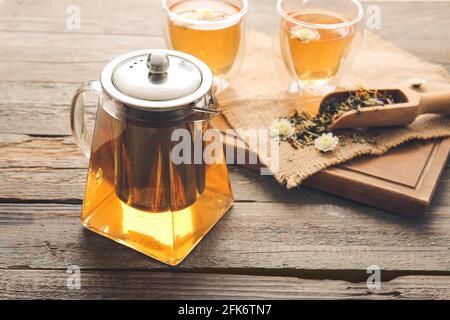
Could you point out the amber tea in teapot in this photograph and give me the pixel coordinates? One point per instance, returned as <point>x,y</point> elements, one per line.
<point>136,194</point>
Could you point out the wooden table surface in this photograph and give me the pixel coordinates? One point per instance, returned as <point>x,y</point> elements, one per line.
<point>273,244</point>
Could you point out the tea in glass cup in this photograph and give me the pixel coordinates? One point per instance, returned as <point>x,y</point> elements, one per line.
<point>211,30</point>
<point>318,41</point>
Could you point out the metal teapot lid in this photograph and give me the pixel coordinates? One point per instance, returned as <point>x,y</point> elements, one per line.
<point>157,80</point>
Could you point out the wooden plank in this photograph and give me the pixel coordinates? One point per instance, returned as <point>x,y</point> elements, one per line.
<point>129,18</point>
<point>49,71</point>
<point>22,151</point>
<point>281,239</point>
<point>41,184</point>
<point>25,158</point>
<point>34,159</point>
<point>52,284</point>
<point>412,26</point>
<point>43,120</point>
<point>47,95</point>
<point>72,48</point>
<point>26,56</point>
<point>39,108</point>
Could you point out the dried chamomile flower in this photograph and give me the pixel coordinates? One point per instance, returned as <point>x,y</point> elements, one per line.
<point>201,14</point>
<point>180,22</point>
<point>417,83</point>
<point>326,142</point>
<point>206,14</point>
<point>309,127</point>
<point>282,128</point>
<point>304,34</point>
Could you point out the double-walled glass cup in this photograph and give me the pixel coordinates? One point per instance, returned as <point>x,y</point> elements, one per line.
<point>318,41</point>
<point>211,30</point>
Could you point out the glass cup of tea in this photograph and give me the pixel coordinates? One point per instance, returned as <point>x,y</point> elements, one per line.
<point>211,30</point>
<point>319,40</point>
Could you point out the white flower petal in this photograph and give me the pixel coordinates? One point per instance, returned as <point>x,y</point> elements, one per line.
<point>282,128</point>
<point>326,142</point>
<point>417,82</point>
<point>304,34</point>
<point>206,14</point>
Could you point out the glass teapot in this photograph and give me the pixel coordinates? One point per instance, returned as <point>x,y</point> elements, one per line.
<point>149,185</point>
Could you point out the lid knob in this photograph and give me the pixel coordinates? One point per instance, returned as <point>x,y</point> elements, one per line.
<point>157,62</point>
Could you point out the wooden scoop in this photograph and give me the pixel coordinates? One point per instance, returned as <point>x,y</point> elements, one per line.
<point>412,104</point>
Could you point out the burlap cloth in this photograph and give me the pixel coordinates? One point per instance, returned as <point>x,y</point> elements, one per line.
<point>259,95</point>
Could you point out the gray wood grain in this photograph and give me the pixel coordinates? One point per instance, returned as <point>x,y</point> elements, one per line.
<point>253,238</point>
<point>269,232</point>
<point>423,26</point>
<point>35,160</point>
<point>52,284</point>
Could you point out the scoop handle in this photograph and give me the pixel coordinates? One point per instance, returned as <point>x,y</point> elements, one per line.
<point>438,103</point>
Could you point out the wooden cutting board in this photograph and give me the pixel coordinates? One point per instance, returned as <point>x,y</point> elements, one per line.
<point>402,181</point>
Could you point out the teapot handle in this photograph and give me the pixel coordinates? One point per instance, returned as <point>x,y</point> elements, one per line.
<point>79,130</point>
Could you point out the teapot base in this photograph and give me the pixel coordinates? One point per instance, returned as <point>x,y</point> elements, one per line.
<point>165,236</point>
